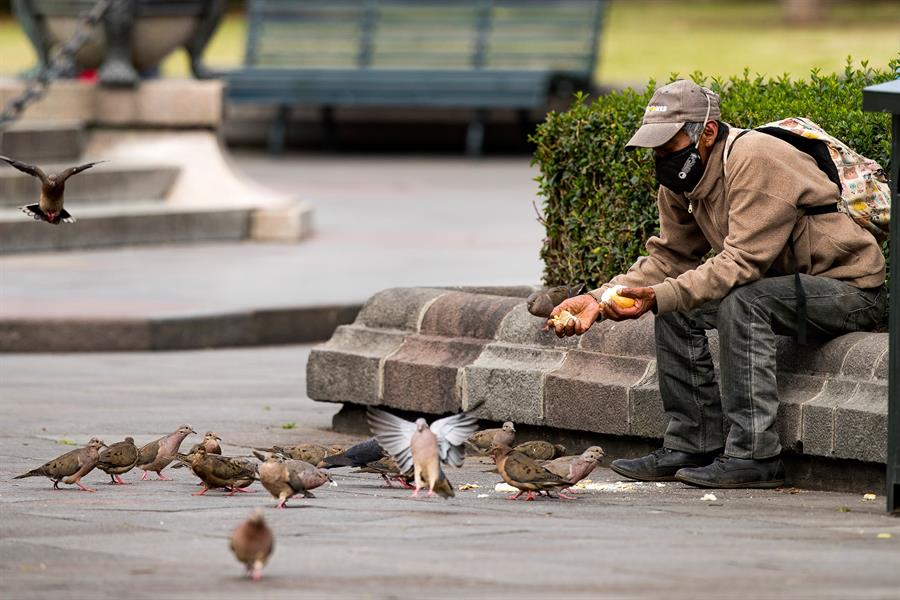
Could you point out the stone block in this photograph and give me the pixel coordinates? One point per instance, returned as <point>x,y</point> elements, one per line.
<point>347,368</point>
<point>793,391</point>
<point>41,141</point>
<point>818,416</point>
<point>864,357</point>
<point>623,338</point>
<point>397,308</point>
<point>507,383</point>
<point>521,327</point>
<point>860,425</point>
<point>301,325</point>
<point>590,392</point>
<point>286,223</point>
<point>813,358</point>
<point>161,103</point>
<point>459,314</point>
<point>646,416</point>
<point>422,374</point>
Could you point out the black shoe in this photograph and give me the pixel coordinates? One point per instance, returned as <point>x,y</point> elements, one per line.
<point>660,465</point>
<point>730,472</point>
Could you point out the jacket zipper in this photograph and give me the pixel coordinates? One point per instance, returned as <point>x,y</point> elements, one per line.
<point>690,206</point>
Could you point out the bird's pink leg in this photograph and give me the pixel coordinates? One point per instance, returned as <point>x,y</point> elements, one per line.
<point>415,493</point>
<point>387,481</point>
<point>161,477</point>
<point>121,481</point>
<point>530,496</point>
<point>516,496</point>
<point>565,497</point>
<point>235,490</point>
<point>201,492</point>
<point>404,483</point>
<point>281,503</point>
<point>256,574</point>
<point>87,489</point>
<point>144,476</point>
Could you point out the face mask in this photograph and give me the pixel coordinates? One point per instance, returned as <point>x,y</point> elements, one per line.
<point>680,171</point>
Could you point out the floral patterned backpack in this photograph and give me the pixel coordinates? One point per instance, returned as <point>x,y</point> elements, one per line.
<point>862,182</point>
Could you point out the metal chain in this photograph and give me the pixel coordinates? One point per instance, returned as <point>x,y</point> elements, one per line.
<point>36,86</point>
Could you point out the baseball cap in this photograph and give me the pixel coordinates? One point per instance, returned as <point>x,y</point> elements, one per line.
<point>672,106</point>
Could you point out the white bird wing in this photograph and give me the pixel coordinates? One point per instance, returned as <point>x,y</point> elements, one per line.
<point>393,433</point>
<point>452,432</point>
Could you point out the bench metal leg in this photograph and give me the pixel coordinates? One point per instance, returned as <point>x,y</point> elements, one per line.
<point>475,134</point>
<point>278,130</point>
<point>329,129</point>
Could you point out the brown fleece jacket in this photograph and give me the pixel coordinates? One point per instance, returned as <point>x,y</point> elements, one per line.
<point>746,219</point>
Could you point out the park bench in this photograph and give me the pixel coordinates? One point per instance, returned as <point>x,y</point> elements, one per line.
<point>469,54</point>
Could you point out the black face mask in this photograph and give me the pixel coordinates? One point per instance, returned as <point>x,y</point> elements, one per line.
<point>680,171</point>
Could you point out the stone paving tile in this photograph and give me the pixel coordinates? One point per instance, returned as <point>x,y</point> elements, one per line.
<point>360,539</point>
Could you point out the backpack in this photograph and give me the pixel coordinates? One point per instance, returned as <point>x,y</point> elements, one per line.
<point>862,183</point>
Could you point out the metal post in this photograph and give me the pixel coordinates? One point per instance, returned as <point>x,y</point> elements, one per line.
<point>885,97</point>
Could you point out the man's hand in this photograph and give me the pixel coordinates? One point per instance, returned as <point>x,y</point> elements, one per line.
<point>644,300</point>
<point>584,308</point>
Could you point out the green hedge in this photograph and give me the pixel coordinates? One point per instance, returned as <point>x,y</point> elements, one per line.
<point>599,203</point>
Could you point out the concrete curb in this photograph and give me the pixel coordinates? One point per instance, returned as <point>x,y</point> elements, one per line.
<point>438,351</point>
<point>291,325</point>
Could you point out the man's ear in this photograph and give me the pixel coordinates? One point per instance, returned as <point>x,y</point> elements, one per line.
<point>710,132</point>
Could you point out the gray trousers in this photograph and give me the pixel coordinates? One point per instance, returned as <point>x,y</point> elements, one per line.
<point>747,320</point>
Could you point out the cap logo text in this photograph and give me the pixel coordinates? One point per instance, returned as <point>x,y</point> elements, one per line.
<point>657,108</point>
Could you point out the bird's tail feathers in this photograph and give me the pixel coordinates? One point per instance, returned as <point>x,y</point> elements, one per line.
<point>34,211</point>
<point>443,488</point>
<point>33,473</point>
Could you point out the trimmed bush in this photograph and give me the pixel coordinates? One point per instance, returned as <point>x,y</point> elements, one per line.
<point>599,203</point>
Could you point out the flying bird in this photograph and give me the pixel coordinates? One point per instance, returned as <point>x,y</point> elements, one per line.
<point>422,448</point>
<point>71,466</point>
<point>157,455</point>
<point>53,188</point>
<point>252,543</point>
<point>118,459</point>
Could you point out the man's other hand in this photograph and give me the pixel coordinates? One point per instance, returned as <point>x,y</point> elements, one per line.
<point>584,308</point>
<point>644,300</point>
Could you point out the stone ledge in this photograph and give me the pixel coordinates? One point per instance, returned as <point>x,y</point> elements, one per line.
<point>441,350</point>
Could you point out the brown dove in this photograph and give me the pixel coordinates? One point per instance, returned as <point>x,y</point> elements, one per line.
<point>524,473</point>
<point>53,187</point>
<point>311,453</point>
<point>232,473</point>
<point>421,448</point>
<point>252,543</point>
<point>575,468</point>
<point>157,455</point>
<point>117,459</point>
<point>481,441</point>
<point>284,477</point>
<point>210,442</point>
<point>389,471</point>
<point>540,450</point>
<point>71,466</point>
<point>542,302</point>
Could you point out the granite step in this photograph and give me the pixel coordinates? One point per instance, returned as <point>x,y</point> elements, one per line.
<point>36,141</point>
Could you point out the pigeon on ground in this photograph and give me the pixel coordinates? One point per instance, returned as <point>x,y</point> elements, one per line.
<point>311,453</point>
<point>416,446</point>
<point>542,302</point>
<point>389,471</point>
<point>358,455</point>
<point>481,441</point>
<point>284,477</point>
<point>525,474</point>
<point>71,466</point>
<point>210,442</point>
<point>157,455</point>
<point>117,459</point>
<point>53,187</point>
<point>232,473</point>
<point>252,543</point>
<point>541,450</point>
<point>575,468</point>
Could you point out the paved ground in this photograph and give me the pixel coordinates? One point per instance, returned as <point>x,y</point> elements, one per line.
<point>154,540</point>
<point>380,222</point>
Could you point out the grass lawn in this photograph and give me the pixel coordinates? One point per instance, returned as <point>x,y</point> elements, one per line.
<point>651,38</point>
